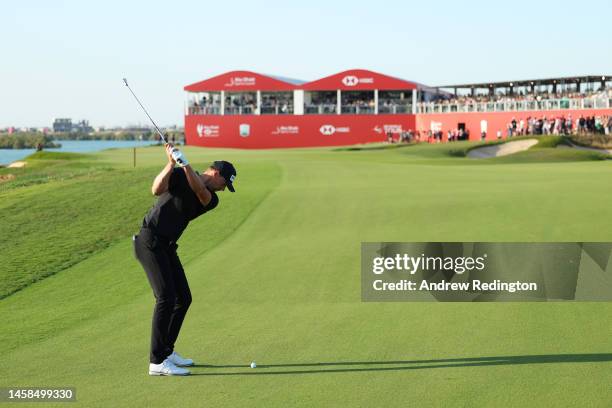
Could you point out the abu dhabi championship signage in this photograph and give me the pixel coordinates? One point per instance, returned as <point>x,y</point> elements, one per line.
<point>241,81</point>
<point>286,130</point>
<point>207,130</point>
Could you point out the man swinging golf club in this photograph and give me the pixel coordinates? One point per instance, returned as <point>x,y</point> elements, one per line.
<point>183,195</point>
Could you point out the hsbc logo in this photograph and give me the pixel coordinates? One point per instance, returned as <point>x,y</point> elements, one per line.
<point>352,80</point>
<point>329,130</point>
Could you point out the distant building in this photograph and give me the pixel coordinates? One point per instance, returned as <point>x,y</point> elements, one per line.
<point>82,127</point>
<point>66,125</point>
<point>62,125</point>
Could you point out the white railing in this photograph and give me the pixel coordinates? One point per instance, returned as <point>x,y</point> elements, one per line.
<point>321,109</point>
<point>277,110</point>
<point>395,109</point>
<point>204,110</point>
<point>357,110</point>
<point>510,106</point>
<point>239,110</point>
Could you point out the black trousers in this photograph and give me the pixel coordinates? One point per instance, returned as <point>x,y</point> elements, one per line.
<point>172,295</point>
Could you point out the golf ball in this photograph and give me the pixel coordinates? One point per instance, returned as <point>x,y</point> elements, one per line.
<point>253,365</point>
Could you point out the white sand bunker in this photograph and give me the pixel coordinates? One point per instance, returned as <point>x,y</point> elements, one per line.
<point>502,149</point>
<point>17,164</point>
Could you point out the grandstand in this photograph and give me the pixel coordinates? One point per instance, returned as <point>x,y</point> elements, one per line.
<point>248,110</point>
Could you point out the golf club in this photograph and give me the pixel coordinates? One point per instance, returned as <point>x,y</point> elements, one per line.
<point>145,111</point>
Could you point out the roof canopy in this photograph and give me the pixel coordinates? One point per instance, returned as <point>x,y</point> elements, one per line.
<point>351,80</point>
<point>240,81</point>
<point>358,80</point>
<point>354,80</point>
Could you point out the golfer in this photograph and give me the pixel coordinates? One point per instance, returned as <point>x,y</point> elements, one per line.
<point>184,195</point>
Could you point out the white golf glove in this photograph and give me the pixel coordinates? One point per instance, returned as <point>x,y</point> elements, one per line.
<point>179,157</point>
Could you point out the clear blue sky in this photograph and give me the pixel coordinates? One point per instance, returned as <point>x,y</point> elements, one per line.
<point>67,58</point>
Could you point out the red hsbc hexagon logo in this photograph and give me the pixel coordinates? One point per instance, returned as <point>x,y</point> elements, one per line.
<point>331,129</point>
<point>350,80</point>
<point>327,130</point>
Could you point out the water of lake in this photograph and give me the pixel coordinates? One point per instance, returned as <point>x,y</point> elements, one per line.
<point>75,146</point>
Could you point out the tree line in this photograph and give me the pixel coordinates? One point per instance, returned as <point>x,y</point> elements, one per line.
<point>26,141</point>
<point>33,140</point>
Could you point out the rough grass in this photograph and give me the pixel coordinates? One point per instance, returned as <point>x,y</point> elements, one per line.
<point>35,220</point>
<point>599,141</point>
<point>45,155</point>
<point>100,206</point>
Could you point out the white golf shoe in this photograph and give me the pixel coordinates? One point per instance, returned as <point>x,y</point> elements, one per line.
<point>180,361</point>
<point>167,367</point>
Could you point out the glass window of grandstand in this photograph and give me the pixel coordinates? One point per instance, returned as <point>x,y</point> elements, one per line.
<point>204,103</point>
<point>276,103</point>
<point>357,102</point>
<point>240,103</point>
<point>394,102</point>
<point>320,102</point>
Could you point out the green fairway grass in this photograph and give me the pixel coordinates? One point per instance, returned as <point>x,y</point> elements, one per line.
<point>275,278</point>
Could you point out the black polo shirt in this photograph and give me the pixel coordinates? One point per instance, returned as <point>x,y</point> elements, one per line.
<point>176,207</point>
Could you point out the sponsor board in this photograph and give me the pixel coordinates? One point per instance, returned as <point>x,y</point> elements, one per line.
<point>352,80</point>
<point>245,129</point>
<point>329,130</point>
<point>286,130</point>
<point>271,131</point>
<point>241,81</point>
<point>388,129</point>
<point>207,130</point>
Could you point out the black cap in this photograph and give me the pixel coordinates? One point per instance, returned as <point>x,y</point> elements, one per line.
<point>227,170</point>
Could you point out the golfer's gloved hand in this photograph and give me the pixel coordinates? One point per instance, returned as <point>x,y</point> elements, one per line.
<point>179,157</point>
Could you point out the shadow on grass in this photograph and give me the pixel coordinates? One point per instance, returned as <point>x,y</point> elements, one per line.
<point>330,367</point>
<point>373,147</point>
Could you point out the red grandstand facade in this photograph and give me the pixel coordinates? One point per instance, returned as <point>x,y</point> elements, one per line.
<point>244,109</point>
<point>264,132</point>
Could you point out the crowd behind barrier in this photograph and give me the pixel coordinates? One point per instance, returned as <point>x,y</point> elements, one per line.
<point>521,96</point>
<point>531,125</point>
<point>559,125</point>
<point>427,136</point>
<point>517,102</point>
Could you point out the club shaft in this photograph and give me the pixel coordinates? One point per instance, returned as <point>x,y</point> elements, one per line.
<point>145,111</point>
